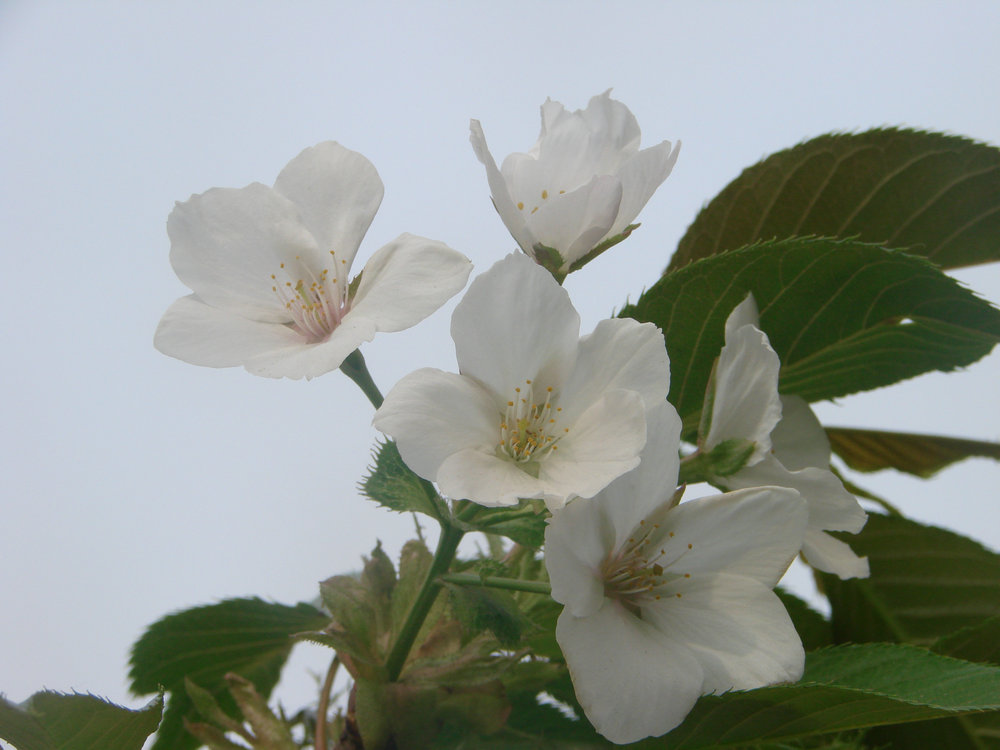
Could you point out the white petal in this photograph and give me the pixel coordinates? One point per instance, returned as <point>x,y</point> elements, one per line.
<point>479,475</point>
<point>433,414</point>
<point>746,404</point>
<point>755,533</point>
<point>226,243</point>
<point>512,218</point>
<point>632,680</point>
<point>337,192</point>
<point>575,222</point>
<point>640,177</point>
<point>577,540</point>
<point>203,335</point>
<point>830,555</point>
<point>314,359</point>
<point>799,440</point>
<point>619,354</point>
<point>407,280</point>
<point>744,314</point>
<point>612,125</point>
<point>560,161</point>
<point>600,446</point>
<point>515,323</point>
<point>736,627</point>
<point>639,493</point>
<point>831,506</point>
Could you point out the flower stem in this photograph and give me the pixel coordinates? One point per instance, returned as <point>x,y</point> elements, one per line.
<point>324,702</point>
<point>355,368</point>
<point>443,556</point>
<point>496,582</point>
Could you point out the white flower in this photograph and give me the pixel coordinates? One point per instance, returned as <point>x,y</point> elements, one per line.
<point>790,446</point>
<point>582,183</point>
<point>537,412</point>
<point>666,602</point>
<point>269,270</point>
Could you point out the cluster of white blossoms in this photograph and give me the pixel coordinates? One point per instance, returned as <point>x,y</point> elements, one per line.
<point>664,601</point>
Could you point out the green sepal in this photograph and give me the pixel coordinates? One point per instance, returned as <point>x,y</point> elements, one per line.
<point>610,242</point>
<point>730,456</point>
<point>352,288</point>
<point>523,523</point>
<point>392,484</point>
<point>549,259</point>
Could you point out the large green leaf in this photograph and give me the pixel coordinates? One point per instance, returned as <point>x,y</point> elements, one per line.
<point>921,455</point>
<point>54,721</point>
<point>843,688</point>
<point>249,637</point>
<point>936,195</point>
<point>844,316</point>
<point>979,643</point>
<point>926,583</point>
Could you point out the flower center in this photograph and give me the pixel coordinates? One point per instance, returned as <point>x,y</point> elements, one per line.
<point>642,570</point>
<point>316,302</point>
<point>530,429</point>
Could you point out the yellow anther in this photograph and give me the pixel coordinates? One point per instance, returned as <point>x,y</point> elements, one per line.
<point>545,194</point>
<point>520,206</point>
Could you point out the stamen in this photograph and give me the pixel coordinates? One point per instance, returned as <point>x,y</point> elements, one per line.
<point>316,303</point>
<point>527,426</point>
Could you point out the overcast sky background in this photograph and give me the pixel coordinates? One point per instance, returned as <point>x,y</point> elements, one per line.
<point>134,485</point>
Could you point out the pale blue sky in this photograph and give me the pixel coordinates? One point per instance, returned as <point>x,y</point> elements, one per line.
<point>134,484</point>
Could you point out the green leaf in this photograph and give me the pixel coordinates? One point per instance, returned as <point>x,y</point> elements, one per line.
<point>979,643</point>
<point>843,688</point>
<point>358,620</point>
<point>920,455</point>
<point>925,584</point>
<point>392,484</point>
<point>20,727</point>
<point>935,195</point>
<point>481,609</point>
<point>250,637</point>
<point>524,523</point>
<point>844,316</point>
<point>55,721</point>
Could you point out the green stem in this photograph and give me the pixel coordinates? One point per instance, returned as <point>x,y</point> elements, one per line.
<point>443,556</point>
<point>355,368</point>
<point>322,710</point>
<point>694,468</point>
<point>496,582</point>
